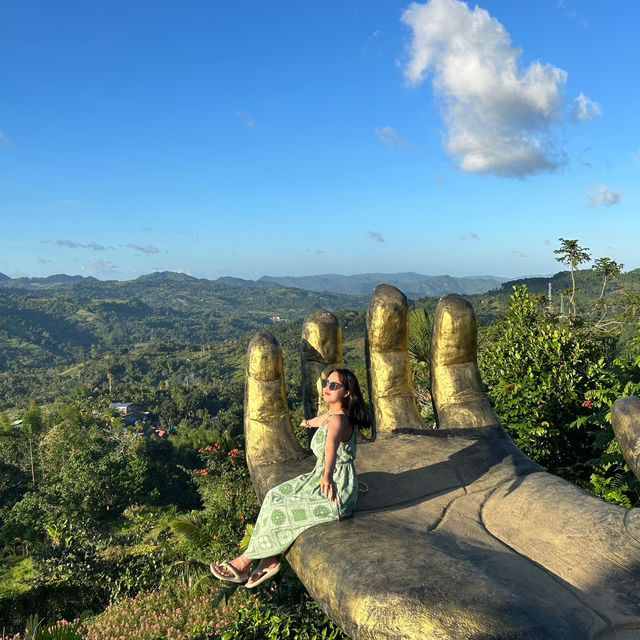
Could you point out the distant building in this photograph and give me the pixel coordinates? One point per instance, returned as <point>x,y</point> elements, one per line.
<point>122,407</point>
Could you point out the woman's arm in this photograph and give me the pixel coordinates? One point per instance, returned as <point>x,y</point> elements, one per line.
<point>314,422</point>
<point>335,427</point>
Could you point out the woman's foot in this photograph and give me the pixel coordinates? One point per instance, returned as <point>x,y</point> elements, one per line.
<point>267,567</point>
<point>241,564</point>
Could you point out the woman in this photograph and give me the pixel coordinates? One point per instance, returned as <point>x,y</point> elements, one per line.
<point>327,493</point>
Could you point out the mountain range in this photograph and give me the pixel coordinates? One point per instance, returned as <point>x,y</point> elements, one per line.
<point>414,285</point>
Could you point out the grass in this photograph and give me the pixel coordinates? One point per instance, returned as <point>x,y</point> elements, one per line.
<point>16,575</point>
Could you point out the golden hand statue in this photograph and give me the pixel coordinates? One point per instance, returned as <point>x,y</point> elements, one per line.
<point>460,535</point>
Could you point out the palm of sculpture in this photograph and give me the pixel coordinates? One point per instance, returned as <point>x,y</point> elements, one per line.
<point>460,534</point>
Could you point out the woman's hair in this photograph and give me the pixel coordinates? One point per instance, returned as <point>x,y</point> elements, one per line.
<point>353,404</point>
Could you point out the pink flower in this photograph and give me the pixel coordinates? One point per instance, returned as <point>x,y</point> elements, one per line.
<point>587,404</point>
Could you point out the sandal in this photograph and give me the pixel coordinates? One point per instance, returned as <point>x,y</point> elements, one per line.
<point>238,576</point>
<point>267,574</point>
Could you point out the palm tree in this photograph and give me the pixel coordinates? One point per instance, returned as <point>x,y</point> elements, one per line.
<point>606,267</point>
<point>195,571</point>
<point>571,253</point>
<point>420,328</point>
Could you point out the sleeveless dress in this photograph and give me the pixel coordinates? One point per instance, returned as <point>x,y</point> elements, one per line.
<point>297,504</point>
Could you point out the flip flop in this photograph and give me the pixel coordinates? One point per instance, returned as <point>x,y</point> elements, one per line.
<point>267,574</point>
<point>238,576</point>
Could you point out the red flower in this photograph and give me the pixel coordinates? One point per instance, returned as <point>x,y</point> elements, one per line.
<point>587,404</point>
<point>233,468</point>
<point>199,450</point>
<point>241,517</point>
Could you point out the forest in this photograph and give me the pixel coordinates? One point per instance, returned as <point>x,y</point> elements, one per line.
<point>107,527</point>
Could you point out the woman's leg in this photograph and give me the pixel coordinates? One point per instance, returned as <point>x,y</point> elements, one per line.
<point>240,564</point>
<point>263,565</point>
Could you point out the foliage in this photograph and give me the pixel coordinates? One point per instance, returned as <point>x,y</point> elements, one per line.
<point>16,575</point>
<point>607,268</point>
<point>60,630</point>
<point>552,386</point>
<point>571,253</point>
<point>538,371</point>
<point>420,329</point>
<point>229,502</point>
<point>173,612</point>
<point>300,621</point>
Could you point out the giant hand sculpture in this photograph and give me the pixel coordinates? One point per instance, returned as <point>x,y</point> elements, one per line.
<point>460,534</point>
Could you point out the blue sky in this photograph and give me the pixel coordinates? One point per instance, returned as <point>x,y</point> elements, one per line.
<point>296,138</point>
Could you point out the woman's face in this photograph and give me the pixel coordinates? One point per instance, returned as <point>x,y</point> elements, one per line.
<point>337,394</point>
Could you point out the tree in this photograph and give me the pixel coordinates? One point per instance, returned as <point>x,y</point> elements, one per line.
<point>32,428</point>
<point>606,267</point>
<point>420,328</point>
<point>539,372</point>
<point>5,423</point>
<point>572,254</point>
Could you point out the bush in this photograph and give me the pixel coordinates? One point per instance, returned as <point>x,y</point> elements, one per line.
<point>552,385</point>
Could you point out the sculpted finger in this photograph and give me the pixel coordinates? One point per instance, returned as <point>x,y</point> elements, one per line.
<point>459,399</point>
<point>387,356</point>
<point>320,352</point>
<point>267,427</point>
<point>625,418</point>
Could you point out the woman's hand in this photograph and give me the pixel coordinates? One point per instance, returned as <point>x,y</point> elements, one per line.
<point>328,489</point>
<point>313,423</point>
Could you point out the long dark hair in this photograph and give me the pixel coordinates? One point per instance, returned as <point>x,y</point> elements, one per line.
<point>353,404</point>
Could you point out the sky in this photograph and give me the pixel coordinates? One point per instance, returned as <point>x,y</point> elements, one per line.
<point>298,138</point>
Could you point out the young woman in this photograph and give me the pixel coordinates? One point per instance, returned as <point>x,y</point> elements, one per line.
<point>327,493</point>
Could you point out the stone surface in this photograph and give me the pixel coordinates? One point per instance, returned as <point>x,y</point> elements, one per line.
<point>320,352</point>
<point>625,417</point>
<point>388,371</point>
<point>460,535</point>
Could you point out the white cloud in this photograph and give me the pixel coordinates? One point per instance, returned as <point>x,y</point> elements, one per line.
<point>469,235</point>
<point>599,195</point>
<point>499,115</point>
<point>390,137</point>
<point>636,156</point>
<point>94,246</point>
<point>586,109</point>
<point>148,250</point>
<point>249,120</point>
<point>100,267</point>
<point>518,254</point>
<point>4,141</point>
<point>374,235</point>
<point>372,40</point>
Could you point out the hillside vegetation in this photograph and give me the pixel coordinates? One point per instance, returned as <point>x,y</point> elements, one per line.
<point>113,519</point>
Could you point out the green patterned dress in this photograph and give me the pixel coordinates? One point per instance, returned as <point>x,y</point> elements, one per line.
<point>297,504</point>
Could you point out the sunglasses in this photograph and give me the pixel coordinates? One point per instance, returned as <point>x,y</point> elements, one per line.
<point>332,385</point>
